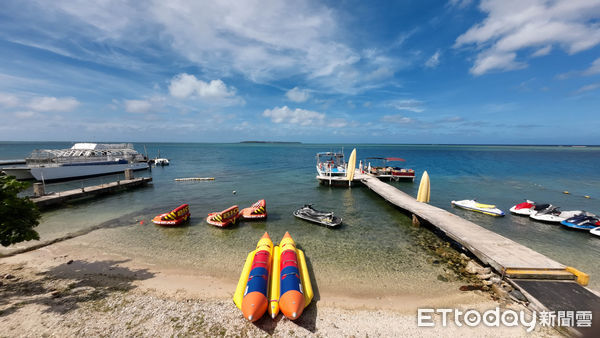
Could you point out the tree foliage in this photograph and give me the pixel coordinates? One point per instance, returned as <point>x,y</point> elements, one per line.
<point>18,216</point>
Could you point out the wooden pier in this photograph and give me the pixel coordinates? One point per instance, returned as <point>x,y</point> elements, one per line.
<point>91,191</point>
<point>547,284</point>
<point>497,251</point>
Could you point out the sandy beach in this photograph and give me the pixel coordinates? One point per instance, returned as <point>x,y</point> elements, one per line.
<point>73,289</point>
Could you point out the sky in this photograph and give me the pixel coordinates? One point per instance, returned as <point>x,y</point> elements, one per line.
<point>456,71</point>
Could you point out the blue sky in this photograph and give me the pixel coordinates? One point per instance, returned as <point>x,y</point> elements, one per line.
<point>457,71</point>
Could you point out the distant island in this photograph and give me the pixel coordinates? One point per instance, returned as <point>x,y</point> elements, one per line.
<point>278,142</point>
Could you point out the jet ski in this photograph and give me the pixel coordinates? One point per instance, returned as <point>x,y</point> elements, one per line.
<point>321,217</point>
<point>553,214</point>
<point>586,221</point>
<point>527,208</point>
<point>595,231</point>
<point>473,205</point>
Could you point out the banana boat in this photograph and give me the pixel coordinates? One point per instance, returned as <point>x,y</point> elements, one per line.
<point>295,289</point>
<point>251,294</point>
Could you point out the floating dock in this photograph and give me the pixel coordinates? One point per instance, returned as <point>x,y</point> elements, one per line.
<point>548,284</point>
<point>91,191</point>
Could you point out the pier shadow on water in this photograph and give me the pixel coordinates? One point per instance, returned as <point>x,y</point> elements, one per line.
<point>66,287</point>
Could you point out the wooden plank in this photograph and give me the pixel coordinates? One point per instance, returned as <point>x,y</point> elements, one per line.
<point>491,248</point>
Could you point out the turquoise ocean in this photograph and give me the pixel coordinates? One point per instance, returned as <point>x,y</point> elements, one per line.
<point>375,244</point>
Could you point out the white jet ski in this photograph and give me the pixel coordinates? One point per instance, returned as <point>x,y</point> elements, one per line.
<point>527,208</point>
<point>553,214</point>
<point>473,205</point>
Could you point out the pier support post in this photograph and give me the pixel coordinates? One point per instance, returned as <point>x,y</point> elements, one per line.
<point>128,174</point>
<point>415,221</point>
<point>38,190</point>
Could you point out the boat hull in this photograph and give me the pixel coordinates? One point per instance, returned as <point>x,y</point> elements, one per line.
<point>20,173</point>
<point>67,172</point>
<point>595,232</point>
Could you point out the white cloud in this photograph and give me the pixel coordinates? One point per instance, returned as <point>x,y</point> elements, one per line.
<point>26,114</point>
<point>137,106</point>
<point>398,119</point>
<point>594,68</point>
<point>410,105</point>
<point>184,86</point>
<point>588,88</point>
<point>8,100</point>
<point>54,104</point>
<point>514,25</point>
<point>297,116</point>
<point>460,3</point>
<point>542,51</point>
<point>434,60</point>
<point>297,95</point>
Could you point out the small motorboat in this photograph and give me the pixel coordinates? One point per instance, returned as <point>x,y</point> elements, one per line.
<point>258,210</point>
<point>473,205</point>
<point>326,218</point>
<point>224,218</point>
<point>175,217</point>
<point>552,214</point>
<point>527,208</point>
<point>595,231</point>
<point>585,221</point>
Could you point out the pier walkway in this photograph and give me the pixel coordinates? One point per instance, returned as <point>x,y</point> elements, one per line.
<point>90,191</point>
<point>501,253</point>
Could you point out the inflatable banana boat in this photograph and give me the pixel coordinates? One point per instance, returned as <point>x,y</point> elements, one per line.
<point>173,218</point>
<point>224,218</point>
<point>252,292</point>
<point>258,210</point>
<point>284,286</point>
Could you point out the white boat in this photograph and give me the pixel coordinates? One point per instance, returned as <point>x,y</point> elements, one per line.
<point>553,214</point>
<point>161,162</point>
<point>84,159</point>
<point>595,231</point>
<point>331,168</point>
<point>473,205</point>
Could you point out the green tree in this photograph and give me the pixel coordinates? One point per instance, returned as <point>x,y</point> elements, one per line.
<point>18,216</point>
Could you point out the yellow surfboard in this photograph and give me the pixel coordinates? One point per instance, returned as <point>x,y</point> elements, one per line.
<point>424,189</point>
<point>351,166</point>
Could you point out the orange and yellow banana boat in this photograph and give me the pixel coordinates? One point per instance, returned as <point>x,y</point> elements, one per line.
<point>295,289</point>
<point>173,218</point>
<point>258,210</point>
<point>224,218</point>
<point>251,295</point>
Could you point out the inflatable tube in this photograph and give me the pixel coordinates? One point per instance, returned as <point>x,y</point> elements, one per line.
<point>293,293</point>
<point>254,301</point>
<point>224,218</point>
<point>274,287</point>
<point>175,217</point>
<point>258,210</point>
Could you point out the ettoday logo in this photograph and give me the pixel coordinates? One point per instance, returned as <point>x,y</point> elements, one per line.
<point>490,318</point>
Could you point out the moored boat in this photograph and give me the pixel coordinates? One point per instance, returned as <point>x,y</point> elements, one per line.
<point>258,210</point>
<point>326,218</point>
<point>585,221</point>
<point>527,208</point>
<point>82,160</point>
<point>553,214</point>
<point>224,218</point>
<point>483,208</point>
<point>331,168</point>
<point>176,217</point>
<point>381,169</point>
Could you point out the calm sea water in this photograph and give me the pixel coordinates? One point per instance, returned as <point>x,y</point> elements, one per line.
<point>376,243</point>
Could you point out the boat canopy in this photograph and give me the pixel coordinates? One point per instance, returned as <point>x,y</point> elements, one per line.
<point>330,154</point>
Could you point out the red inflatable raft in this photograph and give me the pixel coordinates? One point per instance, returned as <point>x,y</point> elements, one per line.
<point>258,210</point>
<point>173,218</point>
<point>224,218</point>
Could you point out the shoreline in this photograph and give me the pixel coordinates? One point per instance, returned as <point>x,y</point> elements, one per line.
<point>70,285</point>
